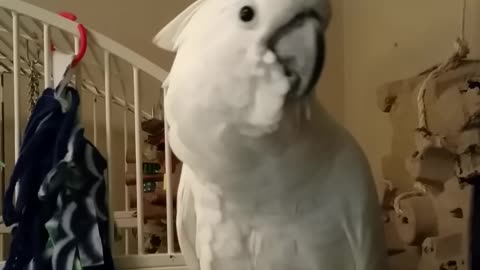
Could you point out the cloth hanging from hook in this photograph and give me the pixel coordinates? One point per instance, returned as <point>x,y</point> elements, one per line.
<point>42,140</point>
<point>60,210</point>
<point>78,227</point>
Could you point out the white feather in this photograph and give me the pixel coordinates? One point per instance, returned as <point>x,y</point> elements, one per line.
<point>170,37</point>
<point>186,219</point>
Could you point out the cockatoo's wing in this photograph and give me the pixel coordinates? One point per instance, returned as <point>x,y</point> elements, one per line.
<point>362,220</point>
<point>187,219</point>
<point>170,37</point>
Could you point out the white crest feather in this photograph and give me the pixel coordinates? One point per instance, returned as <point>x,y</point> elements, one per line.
<point>169,38</point>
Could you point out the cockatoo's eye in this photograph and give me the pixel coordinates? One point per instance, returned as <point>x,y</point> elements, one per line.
<point>247,13</point>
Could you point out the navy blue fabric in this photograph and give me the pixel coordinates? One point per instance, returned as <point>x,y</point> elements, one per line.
<point>44,144</point>
<point>51,184</point>
<point>78,225</point>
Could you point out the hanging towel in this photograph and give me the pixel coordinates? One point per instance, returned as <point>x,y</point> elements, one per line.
<point>46,137</point>
<point>61,211</point>
<point>78,228</point>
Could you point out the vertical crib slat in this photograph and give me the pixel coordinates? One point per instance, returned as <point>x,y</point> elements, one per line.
<point>108,122</point>
<point>46,56</point>
<point>168,172</point>
<point>127,196</point>
<point>16,85</point>
<point>138,160</point>
<point>78,72</point>
<point>95,131</point>
<point>76,44</point>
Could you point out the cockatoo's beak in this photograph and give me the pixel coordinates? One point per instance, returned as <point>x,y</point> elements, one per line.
<point>300,47</point>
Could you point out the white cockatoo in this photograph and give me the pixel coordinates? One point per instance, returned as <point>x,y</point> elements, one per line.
<point>270,181</point>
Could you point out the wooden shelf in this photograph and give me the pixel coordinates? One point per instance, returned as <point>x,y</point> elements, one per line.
<point>128,220</point>
<point>131,160</point>
<point>147,178</point>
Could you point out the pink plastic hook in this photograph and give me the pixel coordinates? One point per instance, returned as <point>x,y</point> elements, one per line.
<point>83,38</point>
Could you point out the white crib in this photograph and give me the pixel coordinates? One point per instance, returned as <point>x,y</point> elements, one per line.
<point>109,78</point>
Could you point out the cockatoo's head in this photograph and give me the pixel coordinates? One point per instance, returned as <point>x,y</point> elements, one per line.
<point>245,59</point>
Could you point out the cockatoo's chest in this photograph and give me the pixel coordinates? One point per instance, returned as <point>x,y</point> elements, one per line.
<point>303,235</point>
